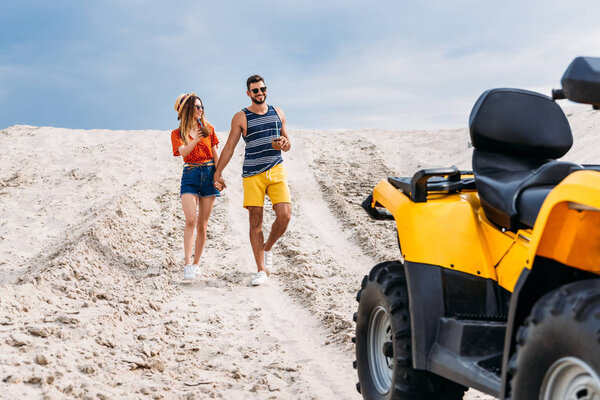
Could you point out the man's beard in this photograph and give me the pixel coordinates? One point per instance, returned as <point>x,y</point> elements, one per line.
<point>259,101</point>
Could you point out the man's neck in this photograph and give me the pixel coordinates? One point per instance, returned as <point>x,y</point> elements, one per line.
<point>259,108</point>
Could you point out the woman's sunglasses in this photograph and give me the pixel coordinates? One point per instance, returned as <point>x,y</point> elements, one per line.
<point>199,108</point>
<point>262,89</point>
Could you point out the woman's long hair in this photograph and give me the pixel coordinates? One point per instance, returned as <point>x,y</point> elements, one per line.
<point>188,122</point>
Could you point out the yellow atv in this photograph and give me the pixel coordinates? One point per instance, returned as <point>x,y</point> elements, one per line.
<point>499,287</point>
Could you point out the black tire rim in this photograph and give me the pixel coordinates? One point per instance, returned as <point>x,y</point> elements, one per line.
<point>570,378</point>
<point>381,366</point>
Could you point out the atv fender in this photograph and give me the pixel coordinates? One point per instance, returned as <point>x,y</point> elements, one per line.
<point>567,228</point>
<point>564,248</point>
<point>449,221</point>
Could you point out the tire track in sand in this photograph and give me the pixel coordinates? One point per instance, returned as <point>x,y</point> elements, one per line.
<point>258,340</point>
<point>345,185</point>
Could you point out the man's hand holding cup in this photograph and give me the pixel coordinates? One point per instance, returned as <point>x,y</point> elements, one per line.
<point>281,143</point>
<point>276,143</point>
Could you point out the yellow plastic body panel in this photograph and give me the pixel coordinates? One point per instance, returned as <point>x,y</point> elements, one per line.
<point>498,243</point>
<point>512,264</point>
<point>452,231</point>
<point>444,231</point>
<point>567,228</point>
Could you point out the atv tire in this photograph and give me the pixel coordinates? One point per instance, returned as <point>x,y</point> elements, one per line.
<point>558,349</point>
<point>383,342</point>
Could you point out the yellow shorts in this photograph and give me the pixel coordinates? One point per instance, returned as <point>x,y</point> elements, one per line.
<point>273,182</point>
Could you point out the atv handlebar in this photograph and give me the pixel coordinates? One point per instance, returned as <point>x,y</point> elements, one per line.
<point>418,183</point>
<point>558,94</point>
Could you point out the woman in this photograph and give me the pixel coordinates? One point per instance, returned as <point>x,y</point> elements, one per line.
<point>196,142</point>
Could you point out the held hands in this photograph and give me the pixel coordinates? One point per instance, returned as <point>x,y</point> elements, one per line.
<point>281,143</point>
<point>219,182</point>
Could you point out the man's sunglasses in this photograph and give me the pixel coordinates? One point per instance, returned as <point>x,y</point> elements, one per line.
<point>262,89</point>
<point>199,108</point>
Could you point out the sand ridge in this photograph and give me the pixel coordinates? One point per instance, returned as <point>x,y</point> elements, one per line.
<point>92,304</point>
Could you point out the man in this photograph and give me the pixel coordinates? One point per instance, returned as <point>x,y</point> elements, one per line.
<point>264,130</point>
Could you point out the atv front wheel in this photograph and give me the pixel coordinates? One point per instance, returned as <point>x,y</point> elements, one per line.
<point>383,342</point>
<point>558,350</point>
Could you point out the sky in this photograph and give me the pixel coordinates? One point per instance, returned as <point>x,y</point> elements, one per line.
<point>328,64</point>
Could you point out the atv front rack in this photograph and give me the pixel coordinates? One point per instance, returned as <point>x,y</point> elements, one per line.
<point>438,180</point>
<point>425,181</point>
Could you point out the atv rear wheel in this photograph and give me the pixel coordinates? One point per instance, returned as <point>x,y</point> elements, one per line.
<point>383,342</point>
<point>558,355</point>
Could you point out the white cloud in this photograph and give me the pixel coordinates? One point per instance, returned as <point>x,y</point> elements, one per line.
<point>328,64</point>
<point>398,85</point>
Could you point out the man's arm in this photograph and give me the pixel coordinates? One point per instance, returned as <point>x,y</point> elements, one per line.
<point>234,137</point>
<point>284,142</point>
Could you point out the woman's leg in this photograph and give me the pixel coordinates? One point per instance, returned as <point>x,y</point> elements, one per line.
<point>206,206</point>
<point>189,203</point>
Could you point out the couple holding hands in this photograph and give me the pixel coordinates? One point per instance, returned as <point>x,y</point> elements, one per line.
<point>264,130</point>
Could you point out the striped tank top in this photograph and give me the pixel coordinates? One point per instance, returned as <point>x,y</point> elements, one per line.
<point>261,129</point>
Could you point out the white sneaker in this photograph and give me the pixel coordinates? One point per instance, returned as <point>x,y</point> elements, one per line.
<point>196,269</point>
<point>188,272</point>
<point>259,278</point>
<point>268,260</point>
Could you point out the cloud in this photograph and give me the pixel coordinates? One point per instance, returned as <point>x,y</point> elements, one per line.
<point>400,85</point>
<point>339,64</point>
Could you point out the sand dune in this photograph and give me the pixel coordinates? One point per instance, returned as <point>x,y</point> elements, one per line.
<point>92,304</point>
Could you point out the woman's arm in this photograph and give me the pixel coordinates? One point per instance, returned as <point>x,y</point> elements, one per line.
<point>218,184</point>
<point>215,156</point>
<point>186,150</point>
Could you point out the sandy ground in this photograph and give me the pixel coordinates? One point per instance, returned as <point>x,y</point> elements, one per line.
<point>92,304</point>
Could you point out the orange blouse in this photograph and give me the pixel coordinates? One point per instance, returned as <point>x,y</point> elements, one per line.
<point>203,150</point>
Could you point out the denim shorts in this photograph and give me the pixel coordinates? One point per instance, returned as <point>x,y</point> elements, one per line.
<point>198,179</point>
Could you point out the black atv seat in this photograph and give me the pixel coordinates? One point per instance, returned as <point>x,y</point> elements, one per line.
<point>517,135</point>
<point>530,202</point>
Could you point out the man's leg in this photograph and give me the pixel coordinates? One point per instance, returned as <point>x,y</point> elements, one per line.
<point>256,235</point>
<point>283,213</point>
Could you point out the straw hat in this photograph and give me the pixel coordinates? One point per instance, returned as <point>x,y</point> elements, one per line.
<point>180,102</point>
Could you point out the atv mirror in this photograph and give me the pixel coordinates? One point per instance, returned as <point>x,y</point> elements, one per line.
<point>581,82</point>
